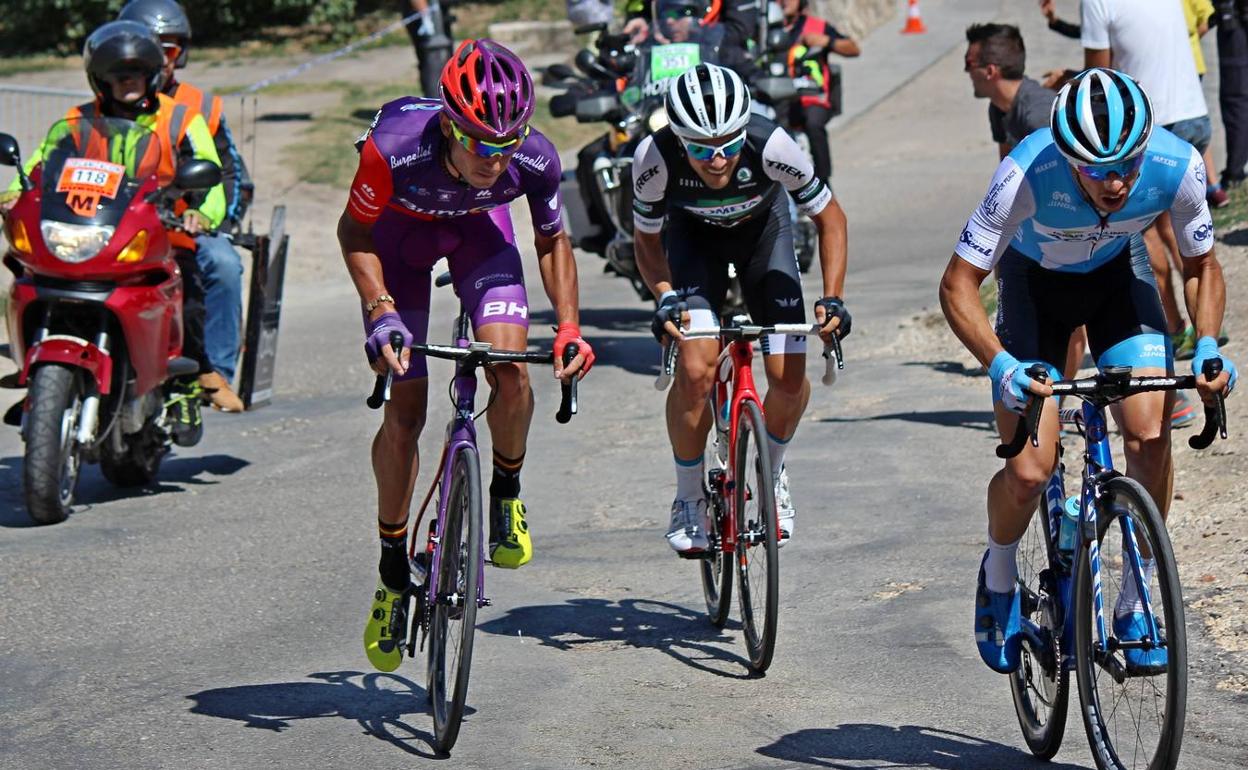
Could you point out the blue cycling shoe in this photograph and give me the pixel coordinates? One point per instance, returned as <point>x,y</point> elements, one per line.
<point>1132,627</point>
<point>998,626</point>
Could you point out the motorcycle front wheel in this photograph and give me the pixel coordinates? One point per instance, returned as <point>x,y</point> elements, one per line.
<point>53,457</point>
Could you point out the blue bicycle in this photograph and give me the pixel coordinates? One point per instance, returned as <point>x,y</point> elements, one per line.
<point>447,558</point>
<point>1108,548</point>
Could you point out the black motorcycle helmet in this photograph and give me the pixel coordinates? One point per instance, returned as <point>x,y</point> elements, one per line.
<point>165,18</point>
<point>121,46</point>
<point>697,9</point>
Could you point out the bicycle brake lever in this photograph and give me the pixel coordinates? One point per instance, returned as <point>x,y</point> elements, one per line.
<point>568,405</point>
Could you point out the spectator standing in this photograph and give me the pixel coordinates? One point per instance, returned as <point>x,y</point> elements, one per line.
<point>1232,37</point>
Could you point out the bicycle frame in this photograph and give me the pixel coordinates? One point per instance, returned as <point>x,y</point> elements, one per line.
<point>735,377</point>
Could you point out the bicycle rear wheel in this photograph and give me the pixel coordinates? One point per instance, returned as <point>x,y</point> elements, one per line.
<point>1041,685</point>
<point>454,615</point>
<point>716,565</point>
<point>1133,715</point>
<point>758,564</point>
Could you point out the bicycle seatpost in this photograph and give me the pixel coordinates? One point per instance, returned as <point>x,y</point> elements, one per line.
<point>568,406</point>
<point>381,388</point>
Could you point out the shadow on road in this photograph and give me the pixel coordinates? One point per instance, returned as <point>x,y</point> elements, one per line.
<point>175,474</point>
<point>607,319</point>
<point>342,694</point>
<point>951,367</point>
<point>950,418</point>
<point>874,747</point>
<point>599,625</point>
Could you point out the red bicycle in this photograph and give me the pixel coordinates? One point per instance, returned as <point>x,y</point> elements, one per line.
<point>745,530</point>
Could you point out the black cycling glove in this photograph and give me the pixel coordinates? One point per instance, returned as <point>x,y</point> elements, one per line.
<point>834,307</point>
<point>671,308</point>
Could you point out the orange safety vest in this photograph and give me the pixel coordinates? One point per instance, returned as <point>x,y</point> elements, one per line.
<point>172,120</point>
<point>204,103</point>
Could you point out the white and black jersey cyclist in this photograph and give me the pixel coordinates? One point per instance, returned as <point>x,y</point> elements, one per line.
<point>709,192</point>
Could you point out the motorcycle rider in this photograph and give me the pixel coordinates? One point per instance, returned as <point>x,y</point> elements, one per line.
<point>812,112</point>
<point>220,265</point>
<point>124,65</point>
<point>708,193</point>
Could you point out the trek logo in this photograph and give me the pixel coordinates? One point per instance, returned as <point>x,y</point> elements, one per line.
<point>1045,167</point>
<point>788,302</point>
<point>786,168</point>
<point>537,164</point>
<point>504,308</point>
<point>421,155</point>
<point>969,239</point>
<point>644,177</point>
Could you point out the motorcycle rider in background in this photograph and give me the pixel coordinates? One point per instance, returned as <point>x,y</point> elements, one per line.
<point>220,265</point>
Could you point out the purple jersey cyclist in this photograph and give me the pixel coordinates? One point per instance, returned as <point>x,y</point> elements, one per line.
<point>434,181</point>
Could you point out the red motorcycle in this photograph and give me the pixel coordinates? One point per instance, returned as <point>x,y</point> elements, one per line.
<point>95,312</point>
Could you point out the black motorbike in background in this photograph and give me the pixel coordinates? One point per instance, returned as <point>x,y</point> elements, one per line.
<point>432,51</point>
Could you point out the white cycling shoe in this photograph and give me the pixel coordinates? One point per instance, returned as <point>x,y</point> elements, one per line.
<point>785,511</point>
<point>689,527</point>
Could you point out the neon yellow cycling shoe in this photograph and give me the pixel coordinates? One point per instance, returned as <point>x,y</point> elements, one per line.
<point>386,629</point>
<point>510,545</point>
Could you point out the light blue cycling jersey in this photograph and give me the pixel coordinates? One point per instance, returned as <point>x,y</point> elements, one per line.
<point>1035,206</point>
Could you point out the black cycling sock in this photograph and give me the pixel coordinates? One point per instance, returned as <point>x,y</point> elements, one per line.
<point>506,481</point>
<point>393,566</point>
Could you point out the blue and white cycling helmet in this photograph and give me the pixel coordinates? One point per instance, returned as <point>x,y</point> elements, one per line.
<point>1101,117</point>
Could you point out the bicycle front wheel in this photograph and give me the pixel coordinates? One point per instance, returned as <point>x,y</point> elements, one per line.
<point>1133,687</point>
<point>454,616</point>
<point>758,532</point>
<point>1041,684</point>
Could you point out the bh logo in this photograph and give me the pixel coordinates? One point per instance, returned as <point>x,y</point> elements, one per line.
<point>504,307</point>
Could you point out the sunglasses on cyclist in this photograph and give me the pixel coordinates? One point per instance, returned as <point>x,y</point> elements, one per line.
<point>484,149</point>
<point>1124,169</point>
<point>707,152</point>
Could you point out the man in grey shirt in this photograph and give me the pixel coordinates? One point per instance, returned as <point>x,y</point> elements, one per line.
<point>1018,105</point>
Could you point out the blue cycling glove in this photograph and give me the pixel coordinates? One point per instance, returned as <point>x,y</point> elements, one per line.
<point>1010,381</point>
<point>1206,349</point>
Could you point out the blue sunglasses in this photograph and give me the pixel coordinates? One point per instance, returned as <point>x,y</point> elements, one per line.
<point>707,152</point>
<point>1123,169</point>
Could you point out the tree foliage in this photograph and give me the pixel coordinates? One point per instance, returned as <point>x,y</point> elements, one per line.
<point>29,26</point>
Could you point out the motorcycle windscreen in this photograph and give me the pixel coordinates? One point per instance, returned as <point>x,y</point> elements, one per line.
<point>92,167</point>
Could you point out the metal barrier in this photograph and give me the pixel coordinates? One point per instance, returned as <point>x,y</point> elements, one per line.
<point>27,112</point>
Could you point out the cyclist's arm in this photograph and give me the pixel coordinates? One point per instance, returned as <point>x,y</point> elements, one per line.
<point>959,299</point>
<point>370,190</point>
<point>649,211</point>
<point>198,144</point>
<point>1193,229</point>
<point>1094,23</point>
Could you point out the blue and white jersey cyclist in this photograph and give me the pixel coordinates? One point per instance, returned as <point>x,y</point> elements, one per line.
<point>1056,225</point>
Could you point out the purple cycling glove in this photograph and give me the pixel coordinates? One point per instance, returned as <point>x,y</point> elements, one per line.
<point>379,334</point>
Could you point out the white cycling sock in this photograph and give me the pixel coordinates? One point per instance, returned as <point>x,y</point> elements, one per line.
<point>775,452</point>
<point>689,479</point>
<point>1128,597</point>
<point>1001,568</point>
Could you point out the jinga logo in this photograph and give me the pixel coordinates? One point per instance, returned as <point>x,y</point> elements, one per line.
<point>505,308</point>
<point>1153,351</point>
<point>1058,195</point>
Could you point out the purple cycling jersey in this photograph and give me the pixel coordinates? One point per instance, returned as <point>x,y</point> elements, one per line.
<point>402,167</point>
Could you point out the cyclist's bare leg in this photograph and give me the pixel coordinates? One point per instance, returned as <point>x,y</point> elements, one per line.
<point>1015,490</point>
<point>788,392</point>
<point>512,412</point>
<point>1146,440</point>
<point>688,420</point>
<point>395,456</point>
<point>1074,353</point>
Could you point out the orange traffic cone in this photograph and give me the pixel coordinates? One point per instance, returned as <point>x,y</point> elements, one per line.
<point>914,22</point>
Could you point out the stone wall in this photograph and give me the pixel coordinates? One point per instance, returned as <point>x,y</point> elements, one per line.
<point>855,18</point>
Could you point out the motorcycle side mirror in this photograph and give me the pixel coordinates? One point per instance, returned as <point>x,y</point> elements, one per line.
<point>197,175</point>
<point>11,155</point>
<point>557,72</point>
<point>562,105</point>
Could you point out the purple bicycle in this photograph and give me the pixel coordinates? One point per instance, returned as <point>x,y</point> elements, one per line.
<point>448,562</point>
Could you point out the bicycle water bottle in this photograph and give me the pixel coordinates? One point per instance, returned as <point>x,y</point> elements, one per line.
<point>1069,526</point>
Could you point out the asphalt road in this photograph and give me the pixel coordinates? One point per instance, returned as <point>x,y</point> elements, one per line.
<point>214,619</point>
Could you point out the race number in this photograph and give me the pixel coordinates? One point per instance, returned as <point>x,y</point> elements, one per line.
<point>85,181</point>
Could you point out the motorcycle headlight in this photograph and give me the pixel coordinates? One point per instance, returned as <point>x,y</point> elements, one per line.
<point>75,243</point>
<point>657,120</point>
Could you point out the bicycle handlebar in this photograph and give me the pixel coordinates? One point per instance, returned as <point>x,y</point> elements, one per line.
<point>482,353</point>
<point>834,360</point>
<point>1112,385</point>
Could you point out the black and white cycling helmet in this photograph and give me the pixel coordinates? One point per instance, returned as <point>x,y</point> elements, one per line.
<point>707,102</point>
<point>1101,117</point>
<point>166,18</point>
